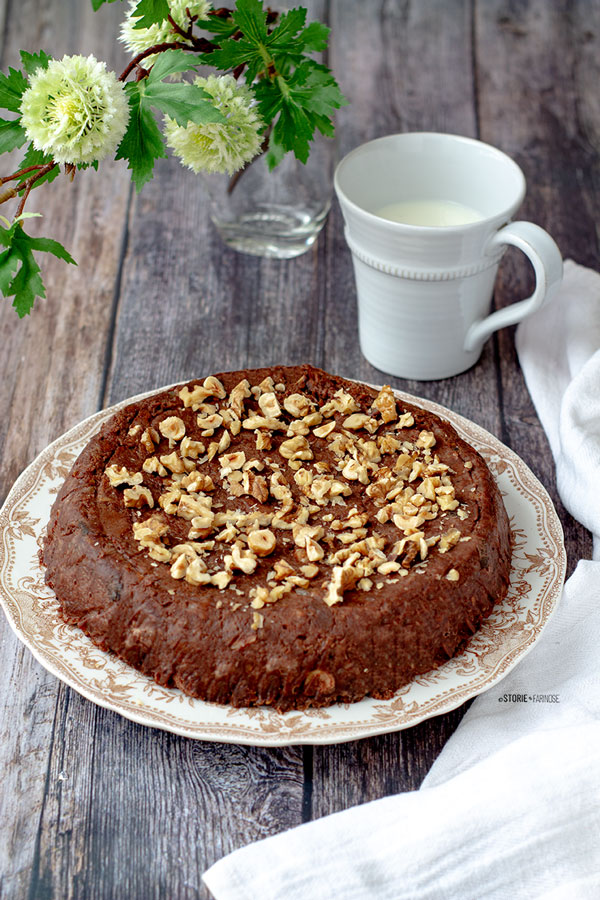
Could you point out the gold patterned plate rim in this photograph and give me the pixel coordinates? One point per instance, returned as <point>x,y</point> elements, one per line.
<point>512,629</point>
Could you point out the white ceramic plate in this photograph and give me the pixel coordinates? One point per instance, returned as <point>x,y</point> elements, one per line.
<point>538,568</point>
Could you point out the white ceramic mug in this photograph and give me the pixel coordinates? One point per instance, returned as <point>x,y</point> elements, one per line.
<point>425,291</point>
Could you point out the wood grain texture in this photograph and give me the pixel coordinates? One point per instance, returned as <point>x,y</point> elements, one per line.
<point>94,806</point>
<point>52,365</point>
<point>531,74</point>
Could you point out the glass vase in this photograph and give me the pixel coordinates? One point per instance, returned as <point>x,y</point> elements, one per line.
<point>276,213</point>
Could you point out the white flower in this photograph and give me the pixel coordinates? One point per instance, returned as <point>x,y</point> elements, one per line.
<point>75,110</point>
<point>139,39</point>
<point>219,146</point>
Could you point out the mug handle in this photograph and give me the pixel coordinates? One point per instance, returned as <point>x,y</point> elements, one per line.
<point>544,255</point>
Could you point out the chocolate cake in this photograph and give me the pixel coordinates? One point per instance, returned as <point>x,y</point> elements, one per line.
<point>278,536</point>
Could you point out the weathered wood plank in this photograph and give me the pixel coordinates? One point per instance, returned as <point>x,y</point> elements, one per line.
<point>52,365</point>
<point>536,64</point>
<point>139,813</point>
<point>421,79</point>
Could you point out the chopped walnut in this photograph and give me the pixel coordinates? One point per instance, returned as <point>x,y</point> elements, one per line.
<point>197,482</point>
<point>152,465</point>
<point>179,567</point>
<point>356,421</point>
<point>314,551</point>
<point>253,422</point>
<point>150,531</point>
<point>243,560</point>
<point>237,397</point>
<point>256,486</point>
<point>120,475</point>
<point>296,448</point>
<point>191,449</point>
<point>355,471</point>
<point>426,440</point>
<point>298,426</point>
<point>343,578</point>
<point>169,500</point>
<point>189,507</point>
<point>387,443</point>
<point>173,462</point>
<point>269,405</point>
<point>323,430</point>
<point>406,420</point>
<point>303,532</point>
<point>280,570</point>
<point>137,497</point>
<point>215,387</point>
<point>209,424</point>
<point>212,387</point>
<point>150,439</point>
<point>263,440</point>
<point>266,386</point>
<point>297,405</point>
<point>448,540</point>
<point>260,596</point>
<point>197,572</point>
<point>280,591</point>
<point>221,579</point>
<point>385,403</point>
<point>342,402</point>
<point>231,461</point>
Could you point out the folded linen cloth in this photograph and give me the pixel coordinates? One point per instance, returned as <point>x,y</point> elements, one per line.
<point>511,809</point>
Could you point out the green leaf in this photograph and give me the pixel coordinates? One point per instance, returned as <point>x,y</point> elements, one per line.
<point>313,87</point>
<point>171,61</point>
<point>215,25</point>
<point>289,26</point>
<point>294,130</point>
<point>27,284</point>
<point>251,19</point>
<point>275,153</point>
<point>183,102</point>
<point>269,97</point>
<point>48,245</point>
<point>315,37</point>
<point>12,87</point>
<point>149,12</point>
<point>19,271</point>
<point>33,61</point>
<point>11,135</point>
<point>142,143</point>
<point>9,263</point>
<point>235,53</point>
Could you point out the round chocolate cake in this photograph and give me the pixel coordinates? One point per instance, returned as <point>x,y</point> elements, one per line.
<point>278,536</point>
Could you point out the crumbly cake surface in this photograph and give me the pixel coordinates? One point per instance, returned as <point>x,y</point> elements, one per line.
<point>278,536</point>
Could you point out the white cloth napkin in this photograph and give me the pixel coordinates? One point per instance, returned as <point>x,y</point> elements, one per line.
<point>511,809</point>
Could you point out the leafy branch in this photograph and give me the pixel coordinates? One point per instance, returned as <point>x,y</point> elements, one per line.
<point>273,99</point>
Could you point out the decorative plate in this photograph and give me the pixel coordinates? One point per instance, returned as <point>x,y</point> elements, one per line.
<point>538,568</point>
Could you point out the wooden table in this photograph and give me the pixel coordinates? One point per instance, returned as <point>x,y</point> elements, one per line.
<point>92,805</point>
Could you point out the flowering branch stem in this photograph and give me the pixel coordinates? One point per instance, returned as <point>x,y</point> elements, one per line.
<point>43,170</point>
<point>19,173</point>
<point>157,48</point>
